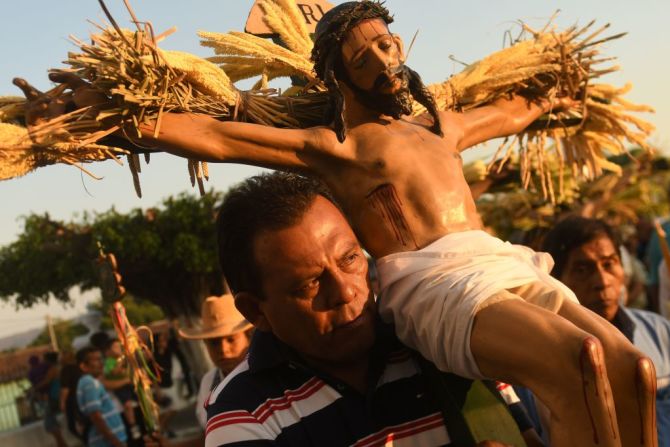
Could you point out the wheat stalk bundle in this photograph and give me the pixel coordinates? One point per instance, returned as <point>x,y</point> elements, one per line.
<point>548,63</point>
<point>144,82</point>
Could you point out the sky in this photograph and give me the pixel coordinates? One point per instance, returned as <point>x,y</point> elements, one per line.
<point>34,38</point>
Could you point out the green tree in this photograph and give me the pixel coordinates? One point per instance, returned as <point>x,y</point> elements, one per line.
<point>166,255</point>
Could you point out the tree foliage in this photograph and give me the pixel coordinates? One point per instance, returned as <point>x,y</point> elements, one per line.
<point>166,255</point>
<point>523,215</point>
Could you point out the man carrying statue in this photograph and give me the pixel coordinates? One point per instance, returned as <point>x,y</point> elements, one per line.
<point>470,303</point>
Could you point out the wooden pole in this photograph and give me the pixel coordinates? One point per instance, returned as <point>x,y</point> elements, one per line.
<point>52,334</point>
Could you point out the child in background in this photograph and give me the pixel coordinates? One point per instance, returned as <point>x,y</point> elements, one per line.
<point>116,369</point>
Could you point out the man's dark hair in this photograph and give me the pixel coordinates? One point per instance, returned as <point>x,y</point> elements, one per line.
<point>108,344</point>
<point>83,353</point>
<point>330,32</point>
<point>267,202</point>
<point>99,339</point>
<point>571,233</point>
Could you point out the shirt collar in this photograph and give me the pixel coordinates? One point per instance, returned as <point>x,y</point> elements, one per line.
<point>624,323</point>
<point>267,351</point>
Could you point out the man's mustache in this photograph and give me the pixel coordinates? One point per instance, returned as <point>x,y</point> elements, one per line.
<point>388,75</point>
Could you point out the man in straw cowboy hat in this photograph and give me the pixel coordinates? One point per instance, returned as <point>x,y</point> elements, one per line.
<point>226,335</point>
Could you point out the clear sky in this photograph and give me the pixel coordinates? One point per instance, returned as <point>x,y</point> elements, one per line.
<point>34,37</point>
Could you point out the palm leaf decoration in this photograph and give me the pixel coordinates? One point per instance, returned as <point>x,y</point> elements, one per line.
<point>143,82</point>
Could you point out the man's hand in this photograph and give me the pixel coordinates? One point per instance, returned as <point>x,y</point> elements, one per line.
<point>155,440</point>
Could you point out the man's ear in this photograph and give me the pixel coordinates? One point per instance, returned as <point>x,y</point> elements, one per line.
<point>249,306</point>
<point>401,47</point>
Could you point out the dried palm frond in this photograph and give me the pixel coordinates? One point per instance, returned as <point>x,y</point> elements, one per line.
<point>144,82</point>
<point>284,18</point>
<point>244,55</point>
<point>19,154</point>
<point>639,192</point>
<point>11,108</point>
<point>547,64</point>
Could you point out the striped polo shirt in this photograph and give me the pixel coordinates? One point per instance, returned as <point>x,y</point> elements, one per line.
<point>93,397</point>
<point>274,398</point>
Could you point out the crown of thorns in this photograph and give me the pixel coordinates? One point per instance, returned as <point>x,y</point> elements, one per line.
<point>337,22</point>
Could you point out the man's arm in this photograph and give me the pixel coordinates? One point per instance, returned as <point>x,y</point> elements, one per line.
<point>101,426</point>
<point>506,116</point>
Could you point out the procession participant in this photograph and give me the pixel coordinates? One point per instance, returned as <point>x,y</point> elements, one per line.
<point>95,403</point>
<point>399,179</point>
<point>588,261</point>
<point>226,335</point>
<point>321,369</point>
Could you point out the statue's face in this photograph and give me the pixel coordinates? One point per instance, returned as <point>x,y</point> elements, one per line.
<point>372,57</point>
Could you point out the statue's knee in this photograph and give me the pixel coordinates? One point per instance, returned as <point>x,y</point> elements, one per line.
<point>646,376</point>
<point>592,354</point>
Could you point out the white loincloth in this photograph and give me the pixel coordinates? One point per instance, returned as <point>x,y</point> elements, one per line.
<point>433,294</point>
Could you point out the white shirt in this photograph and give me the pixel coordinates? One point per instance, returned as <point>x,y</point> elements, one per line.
<point>203,393</point>
<point>663,289</point>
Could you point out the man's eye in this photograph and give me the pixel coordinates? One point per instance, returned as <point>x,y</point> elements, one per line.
<point>350,259</point>
<point>308,286</point>
<point>609,265</point>
<point>581,270</point>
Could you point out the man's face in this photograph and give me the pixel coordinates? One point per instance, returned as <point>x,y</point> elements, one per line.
<point>594,272</point>
<point>316,297</point>
<point>93,364</point>
<point>227,352</point>
<point>371,56</point>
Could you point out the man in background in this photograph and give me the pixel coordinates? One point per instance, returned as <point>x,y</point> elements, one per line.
<point>226,334</point>
<point>95,403</point>
<point>588,261</point>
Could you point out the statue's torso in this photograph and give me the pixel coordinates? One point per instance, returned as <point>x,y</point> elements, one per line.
<point>404,187</point>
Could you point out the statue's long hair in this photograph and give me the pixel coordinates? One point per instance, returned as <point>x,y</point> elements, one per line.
<point>327,56</point>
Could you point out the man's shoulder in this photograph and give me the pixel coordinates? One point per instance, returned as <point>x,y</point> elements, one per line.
<point>209,375</point>
<point>87,381</point>
<point>244,389</point>
<point>653,328</point>
<point>656,320</point>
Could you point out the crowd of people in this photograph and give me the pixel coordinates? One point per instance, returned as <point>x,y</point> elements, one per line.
<point>321,368</point>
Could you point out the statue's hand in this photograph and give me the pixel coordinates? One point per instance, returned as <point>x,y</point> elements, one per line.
<point>561,103</point>
<point>70,94</point>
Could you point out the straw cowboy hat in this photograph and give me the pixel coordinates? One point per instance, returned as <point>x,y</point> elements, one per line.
<point>220,318</point>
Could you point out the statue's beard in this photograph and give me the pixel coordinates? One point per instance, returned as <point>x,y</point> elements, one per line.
<point>394,105</point>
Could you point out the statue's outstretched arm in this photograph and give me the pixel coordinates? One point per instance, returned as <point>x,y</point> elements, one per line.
<point>204,138</point>
<point>507,116</point>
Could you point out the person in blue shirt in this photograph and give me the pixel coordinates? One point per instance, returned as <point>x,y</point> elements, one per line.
<point>95,403</point>
<point>588,261</point>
